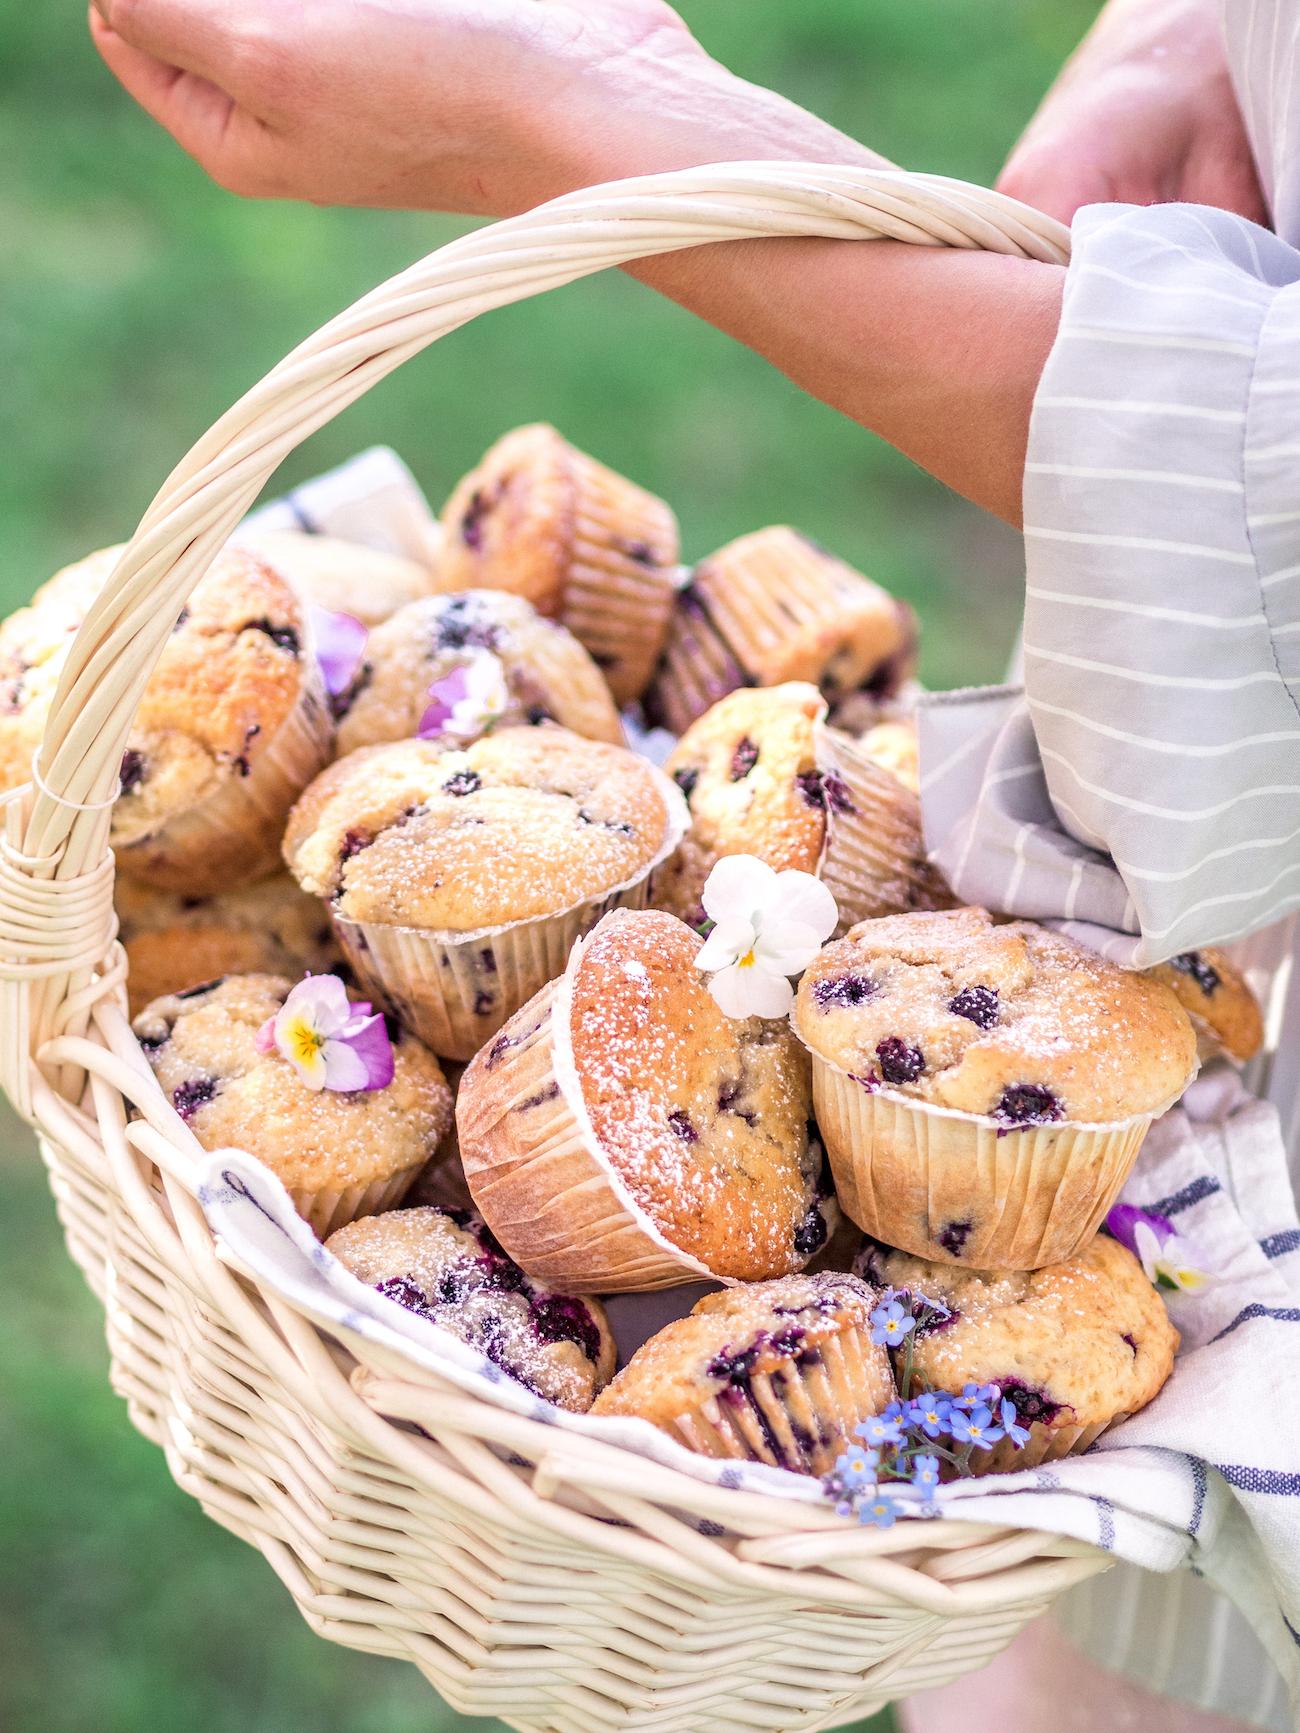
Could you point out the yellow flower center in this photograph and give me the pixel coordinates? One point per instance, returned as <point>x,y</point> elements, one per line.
<point>747,961</point>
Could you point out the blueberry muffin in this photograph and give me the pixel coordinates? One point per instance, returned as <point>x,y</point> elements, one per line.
<point>543,520</point>
<point>777,1372</point>
<point>337,1155</point>
<point>232,726</point>
<point>983,1090</point>
<point>441,1181</point>
<point>458,879</point>
<point>548,676</point>
<point>343,576</point>
<point>894,747</point>
<point>1074,1347</point>
<point>173,942</point>
<point>444,1265</point>
<point>762,775</point>
<point>1217,997</point>
<point>770,607</point>
<point>621,1133</point>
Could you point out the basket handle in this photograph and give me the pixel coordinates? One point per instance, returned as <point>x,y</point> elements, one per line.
<point>55,843</point>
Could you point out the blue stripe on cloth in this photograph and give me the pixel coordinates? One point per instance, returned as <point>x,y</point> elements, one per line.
<point>1295,1635</point>
<point>1272,1480</point>
<point>1200,1480</point>
<point>1105,1521</point>
<point>1281,1314</point>
<point>1278,1245</point>
<point>1195,1191</point>
<point>306,523</point>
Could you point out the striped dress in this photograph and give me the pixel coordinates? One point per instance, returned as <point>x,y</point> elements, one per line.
<point>1141,785</point>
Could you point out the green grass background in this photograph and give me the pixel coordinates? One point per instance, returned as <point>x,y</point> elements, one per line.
<point>136,302</point>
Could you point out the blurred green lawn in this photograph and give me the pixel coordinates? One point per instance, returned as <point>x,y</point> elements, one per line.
<point>136,302</point>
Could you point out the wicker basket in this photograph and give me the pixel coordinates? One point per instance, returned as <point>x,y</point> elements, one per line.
<point>558,1582</point>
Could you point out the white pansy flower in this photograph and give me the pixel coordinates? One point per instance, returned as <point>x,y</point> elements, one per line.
<point>768,926</point>
<point>1168,1260</point>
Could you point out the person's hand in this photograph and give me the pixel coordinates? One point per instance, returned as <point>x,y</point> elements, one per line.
<point>480,106</point>
<point>1143,113</point>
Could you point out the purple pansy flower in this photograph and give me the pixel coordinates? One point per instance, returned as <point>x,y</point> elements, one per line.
<point>340,641</point>
<point>1168,1259</point>
<point>467,702</point>
<point>330,1043</point>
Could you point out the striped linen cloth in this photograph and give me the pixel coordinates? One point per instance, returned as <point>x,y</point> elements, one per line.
<point>1142,787</point>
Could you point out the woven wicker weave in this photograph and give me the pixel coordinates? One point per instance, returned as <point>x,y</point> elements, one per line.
<point>557,1582</point>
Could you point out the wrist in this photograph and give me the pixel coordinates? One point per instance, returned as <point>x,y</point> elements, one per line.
<point>679,110</point>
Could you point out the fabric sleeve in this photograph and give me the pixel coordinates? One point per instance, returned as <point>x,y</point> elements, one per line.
<point>1146,780</point>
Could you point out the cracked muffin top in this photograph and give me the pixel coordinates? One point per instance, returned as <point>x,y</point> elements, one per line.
<point>1071,1344</point>
<point>446,1266</point>
<point>232,671</point>
<point>1011,1021</point>
<point>548,675</point>
<point>523,823</point>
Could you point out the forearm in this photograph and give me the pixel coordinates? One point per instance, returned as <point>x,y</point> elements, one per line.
<point>937,351</point>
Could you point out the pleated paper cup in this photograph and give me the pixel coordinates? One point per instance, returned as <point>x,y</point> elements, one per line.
<point>455,990</point>
<point>873,859</point>
<point>537,1173</point>
<point>1044,1444</point>
<point>331,1207</point>
<point>697,668</point>
<point>795,1417</point>
<point>960,1189</point>
<point>233,837</point>
<point>622,578</point>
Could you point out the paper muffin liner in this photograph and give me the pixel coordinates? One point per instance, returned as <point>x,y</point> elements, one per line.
<point>958,1189</point>
<point>537,1174</point>
<point>455,990</point>
<point>617,596</point>
<point>234,835</point>
<point>697,668</point>
<point>796,1417</point>
<point>873,859</point>
<point>331,1207</point>
<point>1044,1444</point>
<point>791,611</point>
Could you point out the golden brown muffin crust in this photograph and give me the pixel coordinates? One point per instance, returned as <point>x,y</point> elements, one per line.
<point>550,677</point>
<point>202,1046</point>
<point>523,823</point>
<point>952,1010</point>
<point>703,1118</point>
<point>1090,1336</point>
<point>749,774</point>
<point>1218,998</point>
<point>446,1266</point>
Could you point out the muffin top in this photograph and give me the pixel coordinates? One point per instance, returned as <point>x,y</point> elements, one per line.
<point>203,1049</point>
<point>793,611</point>
<point>748,772</point>
<point>729,1337</point>
<point>342,576</point>
<point>229,675</point>
<point>703,1118</point>
<point>446,1266</point>
<point>523,823</point>
<point>172,942</point>
<point>1218,999</point>
<point>894,747</point>
<point>548,675</point>
<point>1010,1021</point>
<point>1072,1344</point>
